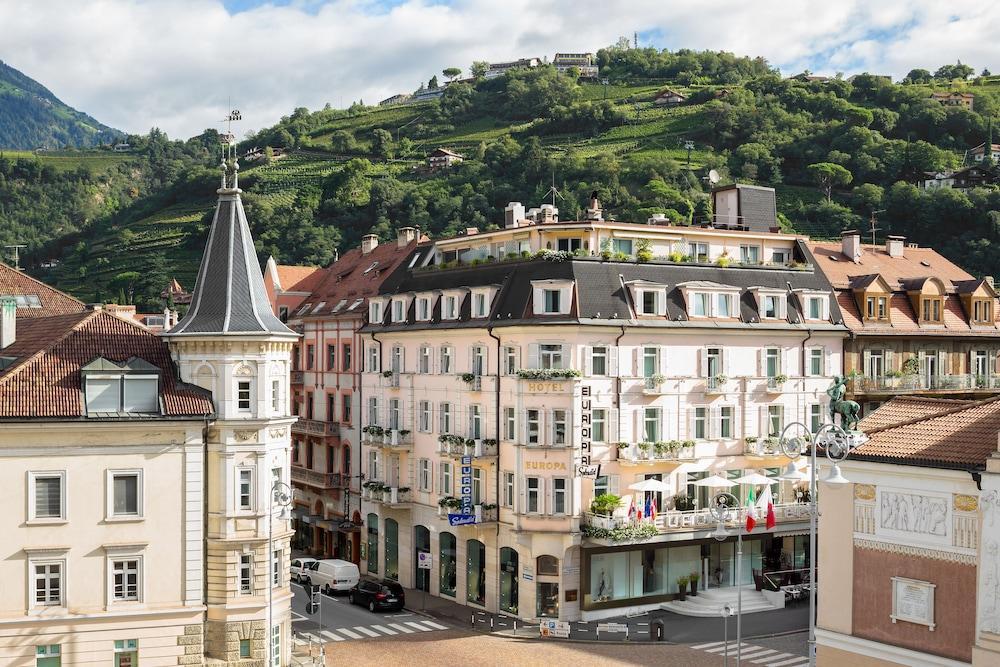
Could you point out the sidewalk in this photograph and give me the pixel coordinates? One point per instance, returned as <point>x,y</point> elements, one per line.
<point>678,629</point>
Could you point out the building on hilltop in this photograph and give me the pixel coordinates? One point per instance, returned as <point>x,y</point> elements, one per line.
<point>919,324</point>
<point>400,98</point>
<point>326,451</point>
<point>512,377</point>
<point>977,153</point>
<point>585,64</point>
<point>909,547</point>
<point>954,99</point>
<point>174,292</point>
<point>965,178</point>
<point>499,69</point>
<point>150,466</point>
<point>669,97</point>
<point>442,158</point>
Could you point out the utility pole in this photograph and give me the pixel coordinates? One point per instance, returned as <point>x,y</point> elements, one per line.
<point>17,254</point>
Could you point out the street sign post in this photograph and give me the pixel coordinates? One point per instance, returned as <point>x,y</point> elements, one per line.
<point>424,560</point>
<point>553,629</point>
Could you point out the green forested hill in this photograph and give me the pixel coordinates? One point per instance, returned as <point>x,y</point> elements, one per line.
<point>347,172</point>
<point>32,117</point>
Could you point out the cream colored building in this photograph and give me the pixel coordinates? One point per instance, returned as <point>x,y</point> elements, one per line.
<point>144,529</point>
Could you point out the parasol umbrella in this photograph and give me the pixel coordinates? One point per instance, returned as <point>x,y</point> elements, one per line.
<point>754,478</point>
<point>715,480</point>
<point>650,485</point>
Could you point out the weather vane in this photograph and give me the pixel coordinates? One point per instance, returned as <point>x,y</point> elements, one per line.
<point>229,138</point>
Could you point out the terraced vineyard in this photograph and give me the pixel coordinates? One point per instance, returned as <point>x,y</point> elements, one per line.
<point>94,161</point>
<point>280,181</point>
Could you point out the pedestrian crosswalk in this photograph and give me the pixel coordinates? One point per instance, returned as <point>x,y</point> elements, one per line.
<point>366,632</point>
<point>754,655</point>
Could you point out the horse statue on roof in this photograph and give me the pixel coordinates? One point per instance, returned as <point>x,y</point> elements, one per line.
<point>849,411</point>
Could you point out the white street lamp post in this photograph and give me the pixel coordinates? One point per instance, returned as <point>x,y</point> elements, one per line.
<point>281,495</point>
<point>837,445</point>
<point>725,505</point>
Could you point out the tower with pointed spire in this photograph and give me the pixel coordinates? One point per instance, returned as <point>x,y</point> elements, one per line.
<point>232,344</point>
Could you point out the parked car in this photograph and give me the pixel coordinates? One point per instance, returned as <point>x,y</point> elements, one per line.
<point>299,566</point>
<point>332,575</point>
<point>378,595</point>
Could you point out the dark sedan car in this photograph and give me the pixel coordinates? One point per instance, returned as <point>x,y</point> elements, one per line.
<point>378,595</point>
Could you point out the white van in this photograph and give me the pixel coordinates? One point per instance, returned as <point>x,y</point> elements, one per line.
<point>332,575</point>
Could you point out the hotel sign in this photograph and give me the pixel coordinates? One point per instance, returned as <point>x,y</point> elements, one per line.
<point>586,427</point>
<point>546,387</point>
<point>466,485</point>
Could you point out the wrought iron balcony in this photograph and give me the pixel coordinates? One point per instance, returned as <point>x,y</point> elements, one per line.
<point>906,383</point>
<point>316,427</point>
<point>319,480</point>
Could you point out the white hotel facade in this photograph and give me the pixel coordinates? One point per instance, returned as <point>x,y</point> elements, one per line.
<point>675,368</point>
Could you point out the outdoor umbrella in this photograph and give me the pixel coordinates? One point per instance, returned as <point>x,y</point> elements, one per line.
<point>650,485</point>
<point>715,480</point>
<point>754,478</point>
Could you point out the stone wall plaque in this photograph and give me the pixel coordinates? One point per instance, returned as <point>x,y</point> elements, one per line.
<point>913,601</point>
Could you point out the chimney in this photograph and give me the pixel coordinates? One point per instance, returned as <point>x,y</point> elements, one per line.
<point>850,245</point>
<point>594,210</point>
<point>894,245</point>
<point>8,321</point>
<point>989,280</point>
<point>513,214</point>
<point>336,255</point>
<point>406,235</point>
<point>368,243</point>
<point>657,219</point>
<point>548,213</point>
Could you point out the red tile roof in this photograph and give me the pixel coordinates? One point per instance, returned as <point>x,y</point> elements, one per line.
<point>356,276</point>
<point>904,320</point>
<point>44,381</point>
<point>962,435</point>
<point>907,408</point>
<point>298,278</point>
<point>915,263</point>
<point>54,302</point>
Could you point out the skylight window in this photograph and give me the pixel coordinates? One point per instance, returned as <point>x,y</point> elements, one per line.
<point>26,300</point>
<point>340,304</point>
<point>370,268</point>
<point>356,303</point>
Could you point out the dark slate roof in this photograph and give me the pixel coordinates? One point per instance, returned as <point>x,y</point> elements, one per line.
<point>600,297</point>
<point>229,297</point>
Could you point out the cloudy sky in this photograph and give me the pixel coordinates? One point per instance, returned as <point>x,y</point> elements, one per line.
<point>173,64</point>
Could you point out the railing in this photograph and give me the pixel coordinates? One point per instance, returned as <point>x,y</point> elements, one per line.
<point>324,480</point>
<point>393,495</point>
<point>298,377</point>
<point>648,451</point>
<point>390,438</point>
<point>787,580</point>
<point>715,385</point>
<point>653,385</point>
<point>763,447</point>
<point>391,380</point>
<point>691,520</point>
<point>907,383</point>
<point>773,384</point>
<point>316,427</point>
<point>478,448</point>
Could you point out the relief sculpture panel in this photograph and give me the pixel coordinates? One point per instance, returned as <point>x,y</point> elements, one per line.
<point>914,517</point>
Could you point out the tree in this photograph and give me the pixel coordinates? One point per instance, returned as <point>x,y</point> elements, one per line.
<point>452,72</point>
<point>382,143</point>
<point>917,76</point>
<point>956,71</point>
<point>479,69</point>
<point>829,175</point>
<point>433,83</point>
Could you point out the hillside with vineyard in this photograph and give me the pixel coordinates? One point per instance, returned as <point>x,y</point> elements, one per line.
<point>836,151</point>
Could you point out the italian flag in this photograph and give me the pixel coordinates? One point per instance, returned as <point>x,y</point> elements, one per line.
<point>751,513</point>
<point>766,503</point>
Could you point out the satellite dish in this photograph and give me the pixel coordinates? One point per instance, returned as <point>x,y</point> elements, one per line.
<point>713,176</point>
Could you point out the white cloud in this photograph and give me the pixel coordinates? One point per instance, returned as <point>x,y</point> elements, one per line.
<point>174,64</point>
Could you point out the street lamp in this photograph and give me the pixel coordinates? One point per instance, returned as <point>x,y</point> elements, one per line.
<point>280,496</point>
<point>726,507</point>
<point>836,444</point>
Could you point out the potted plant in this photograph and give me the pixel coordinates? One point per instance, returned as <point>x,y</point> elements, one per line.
<point>644,449</point>
<point>661,449</point>
<point>693,578</point>
<point>643,251</point>
<point>751,444</point>
<point>682,583</point>
<point>387,374</point>
<point>605,504</point>
<point>621,448</point>
<point>723,260</point>
<point>687,449</point>
<point>606,249</point>
<point>683,503</point>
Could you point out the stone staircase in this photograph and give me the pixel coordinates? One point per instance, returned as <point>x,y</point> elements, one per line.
<point>710,602</point>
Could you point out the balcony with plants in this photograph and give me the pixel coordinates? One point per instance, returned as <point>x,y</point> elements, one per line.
<point>391,496</point>
<point>390,379</point>
<point>762,447</point>
<point>543,374</point>
<point>641,453</point>
<point>387,438</point>
<point>654,385</point>
<point>484,512</point>
<point>717,384</point>
<point>455,446</point>
<point>776,383</point>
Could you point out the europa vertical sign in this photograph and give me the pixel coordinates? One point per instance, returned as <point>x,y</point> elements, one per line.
<point>586,429</point>
<point>466,485</point>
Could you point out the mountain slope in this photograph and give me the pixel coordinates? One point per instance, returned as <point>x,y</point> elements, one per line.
<point>32,117</point>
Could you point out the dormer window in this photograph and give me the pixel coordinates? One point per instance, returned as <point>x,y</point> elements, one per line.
<point>552,304</point>
<point>724,305</point>
<point>423,308</point>
<point>398,310</point>
<point>449,307</point>
<point>648,302</point>
<point>700,304</point>
<point>815,305</point>
<point>131,387</point>
<point>931,309</point>
<point>480,304</point>
<point>552,297</point>
<point>771,308</point>
<point>982,311</point>
<point>876,308</point>
<point>375,312</point>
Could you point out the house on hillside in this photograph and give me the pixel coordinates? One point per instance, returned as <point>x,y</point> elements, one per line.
<point>585,64</point>
<point>442,158</point>
<point>173,291</point>
<point>954,99</point>
<point>669,97</point>
<point>401,98</point>
<point>499,69</point>
<point>122,148</point>
<point>979,152</point>
<point>966,178</point>
<point>424,94</point>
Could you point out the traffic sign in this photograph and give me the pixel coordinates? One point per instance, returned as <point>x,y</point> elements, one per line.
<point>553,629</point>
<point>423,560</point>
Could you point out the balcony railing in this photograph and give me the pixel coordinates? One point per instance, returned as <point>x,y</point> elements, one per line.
<point>899,384</point>
<point>654,385</point>
<point>389,438</point>
<point>716,385</point>
<point>761,447</point>
<point>686,521</point>
<point>651,452</point>
<point>396,496</point>
<point>298,377</point>
<point>474,447</point>
<point>321,480</point>
<point>316,427</point>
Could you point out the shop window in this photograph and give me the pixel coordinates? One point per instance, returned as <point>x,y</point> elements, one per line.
<point>476,572</point>
<point>447,564</point>
<point>508,580</point>
<point>373,543</point>
<point>391,549</point>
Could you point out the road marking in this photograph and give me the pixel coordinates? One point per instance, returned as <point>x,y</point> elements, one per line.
<point>732,648</point>
<point>349,633</point>
<point>296,616</point>
<point>311,637</point>
<point>780,656</point>
<point>382,628</point>
<point>418,626</point>
<point>402,628</point>
<point>751,654</point>
<point>331,636</point>
<point>793,661</point>
<point>370,633</point>
<point>300,642</point>
<point>436,626</point>
<point>702,647</point>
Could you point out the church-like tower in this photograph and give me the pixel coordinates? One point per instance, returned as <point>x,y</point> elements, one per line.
<point>232,344</point>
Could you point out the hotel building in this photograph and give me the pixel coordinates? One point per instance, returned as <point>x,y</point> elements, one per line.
<point>502,368</point>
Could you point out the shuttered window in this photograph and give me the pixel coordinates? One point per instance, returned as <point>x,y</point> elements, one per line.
<point>48,497</point>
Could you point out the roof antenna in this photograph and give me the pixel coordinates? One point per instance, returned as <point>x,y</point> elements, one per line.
<point>17,254</point>
<point>874,229</point>
<point>553,190</point>
<point>228,140</point>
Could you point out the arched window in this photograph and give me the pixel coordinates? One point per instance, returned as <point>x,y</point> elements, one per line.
<point>508,580</point>
<point>547,566</point>
<point>475,583</point>
<point>391,549</point>
<point>421,544</point>
<point>373,543</point>
<point>447,562</point>
<point>345,469</point>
